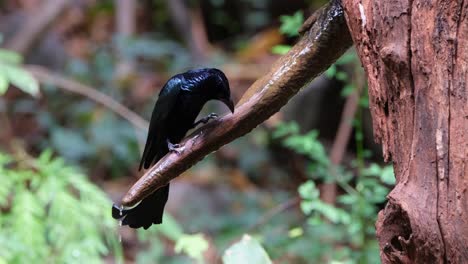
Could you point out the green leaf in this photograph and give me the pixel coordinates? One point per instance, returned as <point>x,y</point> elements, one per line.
<point>295,232</point>
<point>3,84</point>
<point>335,215</point>
<point>192,245</point>
<point>280,49</point>
<point>387,175</point>
<point>347,90</point>
<point>246,251</point>
<point>290,24</point>
<point>346,58</point>
<point>341,76</point>
<point>364,102</point>
<point>309,191</point>
<point>347,199</point>
<point>11,57</point>
<point>307,207</point>
<point>331,72</point>
<point>285,129</point>
<point>20,78</point>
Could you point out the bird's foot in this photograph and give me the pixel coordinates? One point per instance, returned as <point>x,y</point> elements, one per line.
<point>209,117</point>
<point>177,148</point>
<point>206,119</point>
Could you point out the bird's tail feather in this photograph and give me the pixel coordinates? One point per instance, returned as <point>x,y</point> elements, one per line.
<point>147,212</point>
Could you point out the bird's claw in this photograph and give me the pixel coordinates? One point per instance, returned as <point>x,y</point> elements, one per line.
<point>205,119</point>
<point>177,148</point>
<point>209,117</point>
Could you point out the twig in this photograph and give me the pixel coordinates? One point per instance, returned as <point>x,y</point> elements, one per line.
<point>324,42</point>
<point>341,141</point>
<point>45,76</point>
<point>274,211</point>
<point>35,25</point>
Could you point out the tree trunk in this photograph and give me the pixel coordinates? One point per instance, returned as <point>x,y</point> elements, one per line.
<point>415,53</point>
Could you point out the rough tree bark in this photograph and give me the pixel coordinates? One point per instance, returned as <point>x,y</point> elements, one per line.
<point>415,53</point>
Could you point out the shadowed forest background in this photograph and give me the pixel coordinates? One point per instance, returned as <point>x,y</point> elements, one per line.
<point>305,186</point>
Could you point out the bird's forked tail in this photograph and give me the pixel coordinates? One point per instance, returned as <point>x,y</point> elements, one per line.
<point>147,212</point>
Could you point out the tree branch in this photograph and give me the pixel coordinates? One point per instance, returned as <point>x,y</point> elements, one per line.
<point>328,190</point>
<point>43,75</point>
<point>323,42</point>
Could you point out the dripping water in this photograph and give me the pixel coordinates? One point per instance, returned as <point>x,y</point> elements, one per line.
<point>120,223</point>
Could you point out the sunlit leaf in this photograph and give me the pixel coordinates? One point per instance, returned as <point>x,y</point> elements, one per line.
<point>3,84</point>
<point>11,57</point>
<point>280,49</point>
<point>192,245</point>
<point>20,78</point>
<point>307,207</point>
<point>309,191</point>
<point>388,176</point>
<point>246,251</point>
<point>290,24</point>
<point>295,232</point>
<point>285,129</point>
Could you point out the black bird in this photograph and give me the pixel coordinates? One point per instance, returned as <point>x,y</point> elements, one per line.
<point>178,105</point>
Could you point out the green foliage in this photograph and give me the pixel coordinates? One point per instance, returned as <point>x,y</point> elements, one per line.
<point>280,49</point>
<point>248,250</point>
<point>290,24</point>
<point>49,213</point>
<point>11,72</point>
<point>351,221</point>
<point>191,245</point>
<point>290,27</point>
<point>335,72</point>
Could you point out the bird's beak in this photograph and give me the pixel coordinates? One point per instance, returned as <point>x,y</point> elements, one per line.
<point>229,103</point>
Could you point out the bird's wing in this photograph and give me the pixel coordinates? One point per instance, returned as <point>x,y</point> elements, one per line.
<point>156,145</point>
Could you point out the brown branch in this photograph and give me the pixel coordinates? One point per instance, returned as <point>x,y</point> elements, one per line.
<point>323,43</point>
<point>341,141</point>
<point>43,75</point>
<point>35,25</point>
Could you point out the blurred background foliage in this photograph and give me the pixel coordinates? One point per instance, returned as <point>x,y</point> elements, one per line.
<point>306,185</point>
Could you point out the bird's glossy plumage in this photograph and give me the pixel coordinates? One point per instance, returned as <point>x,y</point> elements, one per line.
<point>179,103</point>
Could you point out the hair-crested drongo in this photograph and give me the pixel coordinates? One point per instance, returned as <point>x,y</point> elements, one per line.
<point>179,103</point>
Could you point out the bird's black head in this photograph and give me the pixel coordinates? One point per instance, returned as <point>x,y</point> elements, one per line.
<point>220,89</point>
<point>211,83</point>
